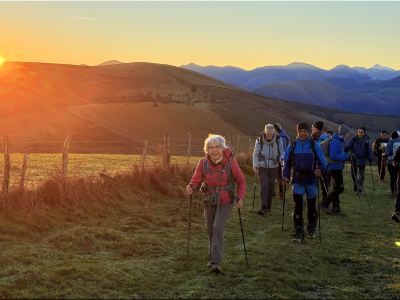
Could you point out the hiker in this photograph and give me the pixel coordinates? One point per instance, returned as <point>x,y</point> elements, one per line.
<point>329,133</point>
<point>218,171</point>
<point>391,149</point>
<point>359,145</point>
<point>285,142</point>
<point>335,160</point>
<point>396,164</point>
<point>377,149</point>
<point>317,133</point>
<point>307,160</point>
<point>267,158</point>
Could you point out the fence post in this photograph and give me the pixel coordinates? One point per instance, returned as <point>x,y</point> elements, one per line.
<point>167,154</point>
<point>65,156</point>
<point>24,166</point>
<point>7,167</point>
<point>144,155</point>
<point>188,153</point>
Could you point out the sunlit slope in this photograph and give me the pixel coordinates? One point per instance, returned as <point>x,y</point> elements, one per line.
<point>143,121</point>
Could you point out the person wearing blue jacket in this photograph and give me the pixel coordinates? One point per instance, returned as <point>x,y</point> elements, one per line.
<point>285,142</point>
<point>335,169</point>
<point>317,133</point>
<point>391,148</point>
<point>360,146</point>
<point>307,160</point>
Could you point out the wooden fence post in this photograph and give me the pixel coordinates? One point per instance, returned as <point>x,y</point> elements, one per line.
<point>167,154</point>
<point>188,153</point>
<point>144,155</point>
<point>7,167</point>
<point>24,166</point>
<point>65,156</point>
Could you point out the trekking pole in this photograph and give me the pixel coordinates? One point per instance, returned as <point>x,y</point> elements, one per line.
<point>380,172</point>
<point>190,215</point>
<point>387,179</point>
<point>241,228</point>
<point>283,205</point>
<point>373,183</point>
<point>365,193</point>
<point>355,178</point>
<point>323,185</point>
<point>254,191</point>
<point>319,214</point>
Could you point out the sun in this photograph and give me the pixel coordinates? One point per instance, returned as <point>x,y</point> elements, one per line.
<point>1,61</point>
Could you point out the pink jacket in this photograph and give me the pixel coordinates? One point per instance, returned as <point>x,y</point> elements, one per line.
<point>211,179</point>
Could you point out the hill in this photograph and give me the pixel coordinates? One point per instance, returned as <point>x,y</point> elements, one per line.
<point>378,72</point>
<point>347,72</point>
<point>110,62</point>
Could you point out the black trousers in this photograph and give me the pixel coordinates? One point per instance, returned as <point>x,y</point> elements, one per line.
<point>312,214</point>
<point>397,204</point>
<point>380,161</point>
<point>354,171</point>
<point>338,188</point>
<point>393,177</point>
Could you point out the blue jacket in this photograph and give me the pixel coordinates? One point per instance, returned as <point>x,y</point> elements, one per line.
<point>336,152</point>
<point>304,163</point>
<point>360,148</point>
<point>323,137</point>
<point>281,135</point>
<point>390,151</point>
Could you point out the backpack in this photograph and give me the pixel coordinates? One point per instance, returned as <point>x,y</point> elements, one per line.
<point>396,145</point>
<point>326,147</point>
<point>293,144</point>
<point>261,140</point>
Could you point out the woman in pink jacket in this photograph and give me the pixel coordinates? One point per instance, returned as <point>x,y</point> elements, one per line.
<point>219,173</point>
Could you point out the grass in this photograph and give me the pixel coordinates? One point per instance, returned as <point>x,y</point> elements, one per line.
<point>126,242</point>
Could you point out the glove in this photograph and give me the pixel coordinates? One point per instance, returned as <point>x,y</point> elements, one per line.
<point>352,158</point>
<point>370,160</point>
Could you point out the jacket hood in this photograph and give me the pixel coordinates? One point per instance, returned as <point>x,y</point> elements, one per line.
<point>282,133</point>
<point>363,139</point>
<point>338,137</point>
<point>324,136</point>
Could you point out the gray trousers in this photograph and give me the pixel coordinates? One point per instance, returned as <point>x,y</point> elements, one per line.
<point>216,224</point>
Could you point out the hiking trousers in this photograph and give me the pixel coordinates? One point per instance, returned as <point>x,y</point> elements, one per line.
<point>397,204</point>
<point>338,188</point>
<point>267,182</point>
<point>312,214</point>
<point>216,224</point>
<point>393,177</point>
<point>360,179</point>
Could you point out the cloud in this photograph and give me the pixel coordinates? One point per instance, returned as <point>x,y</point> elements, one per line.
<point>83,18</point>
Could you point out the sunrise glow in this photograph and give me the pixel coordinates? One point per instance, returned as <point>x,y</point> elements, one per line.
<point>1,61</point>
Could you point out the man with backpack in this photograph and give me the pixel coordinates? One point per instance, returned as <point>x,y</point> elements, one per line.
<point>377,149</point>
<point>335,157</point>
<point>285,142</point>
<point>360,146</point>
<point>267,159</point>
<point>317,133</point>
<point>396,164</point>
<point>307,160</point>
<point>391,149</point>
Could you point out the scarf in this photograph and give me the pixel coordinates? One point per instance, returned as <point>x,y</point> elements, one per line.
<point>317,135</point>
<point>218,160</point>
<point>271,142</point>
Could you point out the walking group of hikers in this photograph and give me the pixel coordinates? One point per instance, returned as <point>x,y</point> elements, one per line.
<point>314,156</point>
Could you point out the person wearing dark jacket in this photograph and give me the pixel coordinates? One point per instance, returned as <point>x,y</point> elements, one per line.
<point>285,143</point>
<point>391,148</point>
<point>335,169</point>
<point>218,171</point>
<point>360,146</point>
<point>396,164</point>
<point>377,149</point>
<point>308,161</point>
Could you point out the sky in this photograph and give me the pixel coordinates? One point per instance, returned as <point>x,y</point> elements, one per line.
<point>242,34</point>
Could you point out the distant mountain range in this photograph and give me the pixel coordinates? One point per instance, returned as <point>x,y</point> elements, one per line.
<point>253,79</point>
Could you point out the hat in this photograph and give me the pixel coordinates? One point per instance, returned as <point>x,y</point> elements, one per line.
<point>302,125</point>
<point>343,130</point>
<point>319,125</point>
<point>362,128</point>
<point>394,135</point>
<point>278,127</point>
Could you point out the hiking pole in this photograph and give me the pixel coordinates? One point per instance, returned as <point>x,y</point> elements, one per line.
<point>190,215</point>
<point>241,228</point>
<point>319,214</point>
<point>380,172</point>
<point>355,178</point>
<point>373,183</point>
<point>283,205</point>
<point>323,185</point>
<point>254,191</point>
<point>365,193</point>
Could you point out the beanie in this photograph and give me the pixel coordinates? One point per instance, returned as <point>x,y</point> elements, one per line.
<point>278,127</point>
<point>362,128</point>
<point>343,130</point>
<point>302,125</point>
<point>394,135</point>
<point>319,125</point>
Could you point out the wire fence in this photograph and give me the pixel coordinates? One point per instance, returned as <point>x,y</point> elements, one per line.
<point>90,158</point>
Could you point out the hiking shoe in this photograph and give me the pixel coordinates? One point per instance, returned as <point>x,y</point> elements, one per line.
<point>396,217</point>
<point>216,270</point>
<point>298,238</point>
<point>262,211</point>
<point>325,208</point>
<point>210,265</point>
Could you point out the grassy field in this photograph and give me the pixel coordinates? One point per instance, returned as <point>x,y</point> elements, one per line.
<point>132,244</point>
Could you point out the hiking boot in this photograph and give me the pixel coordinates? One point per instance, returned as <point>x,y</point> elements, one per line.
<point>216,270</point>
<point>396,216</point>
<point>298,238</point>
<point>262,211</point>
<point>325,208</point>
<point>210,265</point>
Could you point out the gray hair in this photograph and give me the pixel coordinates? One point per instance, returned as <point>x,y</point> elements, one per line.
<point>269,127</point>
<point>214,138</point>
